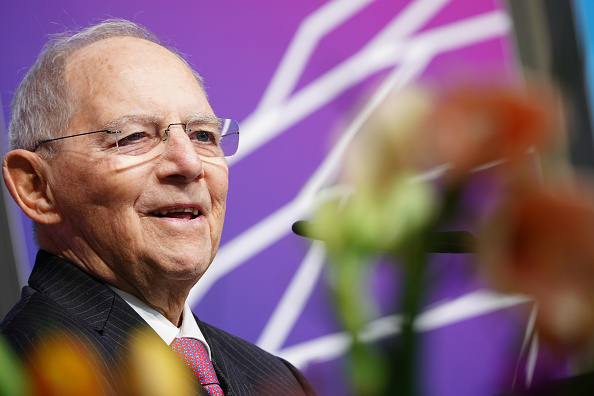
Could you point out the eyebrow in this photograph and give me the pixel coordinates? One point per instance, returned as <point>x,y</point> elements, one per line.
<point>205,118</point>
<point>152,118</point>
<point>111,125</point>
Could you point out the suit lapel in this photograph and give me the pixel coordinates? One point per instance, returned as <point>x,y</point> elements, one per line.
<point>86,298</point>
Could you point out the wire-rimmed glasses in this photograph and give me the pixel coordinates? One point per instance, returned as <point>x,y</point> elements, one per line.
<point>211,136</point>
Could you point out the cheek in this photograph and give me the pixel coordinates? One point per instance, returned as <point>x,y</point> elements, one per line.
<point>217,181</point>
<point>218,185</point>
<point>95,186</point>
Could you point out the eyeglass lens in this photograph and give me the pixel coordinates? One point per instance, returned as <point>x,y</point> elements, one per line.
<point>135,138</point>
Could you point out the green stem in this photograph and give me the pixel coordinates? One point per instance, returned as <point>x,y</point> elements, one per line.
<point>406,354</point>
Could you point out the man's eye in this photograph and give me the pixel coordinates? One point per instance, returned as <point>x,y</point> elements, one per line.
<point>204,137</point>
<point>132,138</point>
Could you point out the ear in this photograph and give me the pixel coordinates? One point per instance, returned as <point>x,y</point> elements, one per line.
<point>25,177</point>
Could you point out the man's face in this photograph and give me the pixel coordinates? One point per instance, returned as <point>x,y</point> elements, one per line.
<point>131,223</point>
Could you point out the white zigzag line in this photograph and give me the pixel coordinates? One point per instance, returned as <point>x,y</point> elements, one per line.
<point>469,306</point>
<point>410,19</point>
<point>530,344</point>
<point>323,20</point>
<point>310,31</point>
<point>271,229</point>
<point>259,128</point>
<point>293,300</point>
<point>287,311</point>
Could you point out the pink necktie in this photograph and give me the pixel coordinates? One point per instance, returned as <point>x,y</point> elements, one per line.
<point>195,356</point>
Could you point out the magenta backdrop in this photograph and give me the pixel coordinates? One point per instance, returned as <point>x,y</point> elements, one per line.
<point>267,285</point>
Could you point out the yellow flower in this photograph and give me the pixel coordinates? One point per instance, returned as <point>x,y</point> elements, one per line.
<point>154,369</point>
<point>386,144</point>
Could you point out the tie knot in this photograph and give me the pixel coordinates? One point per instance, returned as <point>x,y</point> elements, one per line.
<point>191,346</point>
<point>195,356</point>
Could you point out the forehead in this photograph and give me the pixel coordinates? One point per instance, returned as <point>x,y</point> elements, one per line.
<point>115,76</point>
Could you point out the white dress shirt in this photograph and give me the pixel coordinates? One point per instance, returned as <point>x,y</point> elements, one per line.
<point>163,327</point>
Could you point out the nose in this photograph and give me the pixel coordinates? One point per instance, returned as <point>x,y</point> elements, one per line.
<point>179,161</point>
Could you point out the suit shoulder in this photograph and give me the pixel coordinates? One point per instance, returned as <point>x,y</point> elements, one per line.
<point>34,315</point>
<point>268,371</point>
<point>231,342</point>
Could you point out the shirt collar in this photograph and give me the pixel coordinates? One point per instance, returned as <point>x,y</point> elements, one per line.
<point>163,327</point>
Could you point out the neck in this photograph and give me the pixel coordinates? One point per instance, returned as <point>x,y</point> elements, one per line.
<point>168,302</point>
<point>166,296</point>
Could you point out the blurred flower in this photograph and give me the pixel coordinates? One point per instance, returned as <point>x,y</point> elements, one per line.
<point>387,144</point>
<point>478,125</point>
<point>153,369</point>
<point>63,365</point>
<point>418,130</point>
<point>376,218</point>
<point>541,243</point>
<point>538,243</point>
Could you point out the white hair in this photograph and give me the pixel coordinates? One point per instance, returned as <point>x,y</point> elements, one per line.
<point>43,105</point>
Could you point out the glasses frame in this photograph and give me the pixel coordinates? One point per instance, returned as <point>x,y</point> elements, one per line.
<point>166,137</point>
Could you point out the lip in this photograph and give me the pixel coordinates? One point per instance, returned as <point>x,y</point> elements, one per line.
<point>179,212</point>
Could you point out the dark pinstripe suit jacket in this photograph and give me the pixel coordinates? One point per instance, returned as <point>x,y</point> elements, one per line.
<point>62,299</point>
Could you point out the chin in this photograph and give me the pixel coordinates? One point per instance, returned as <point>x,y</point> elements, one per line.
<point>188,267</point>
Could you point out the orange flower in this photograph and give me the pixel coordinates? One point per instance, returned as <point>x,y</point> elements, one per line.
<point>541,243</point>
<point>416,130</point>
<point>478,125</point>
<point>63,365</point>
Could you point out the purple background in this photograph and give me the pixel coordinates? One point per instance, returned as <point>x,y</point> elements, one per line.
<point>237,46</point>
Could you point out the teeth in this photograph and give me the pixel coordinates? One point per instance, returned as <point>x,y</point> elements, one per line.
<point>194,211</point>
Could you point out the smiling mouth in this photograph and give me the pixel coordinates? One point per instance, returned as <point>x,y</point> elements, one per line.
<point>182,213</point>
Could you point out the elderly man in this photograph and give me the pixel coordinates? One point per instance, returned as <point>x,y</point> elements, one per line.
<point>119,160</point>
